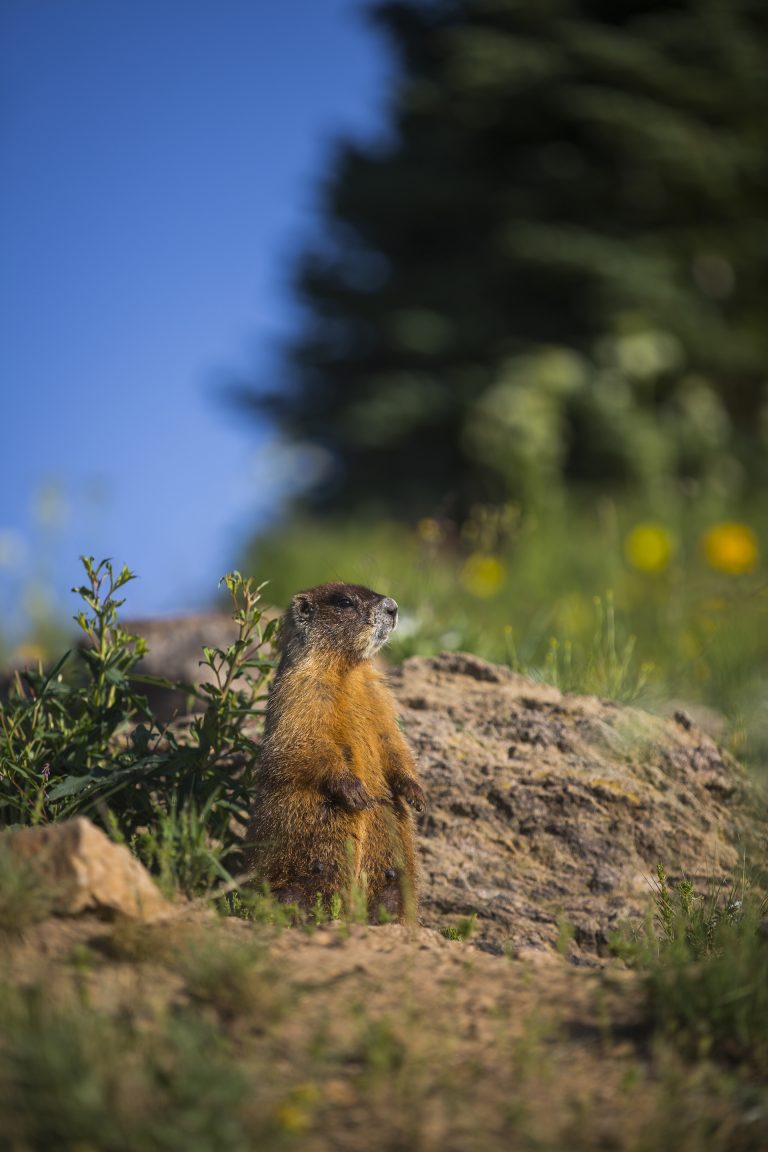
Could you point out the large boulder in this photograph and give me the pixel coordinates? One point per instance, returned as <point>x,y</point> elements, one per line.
<point>549,813</point>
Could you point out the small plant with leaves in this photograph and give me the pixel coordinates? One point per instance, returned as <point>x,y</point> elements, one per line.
<point>110,655</point>
<point>463,929</point>
<point>324,911</point>
<point>693,922</point>
<point>178,848</point>
<point>259,906</point>
<point>703,959</point>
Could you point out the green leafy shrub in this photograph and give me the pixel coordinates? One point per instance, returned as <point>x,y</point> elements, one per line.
<point>80,738</point>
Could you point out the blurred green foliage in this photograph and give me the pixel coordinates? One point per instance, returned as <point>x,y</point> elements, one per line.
<point>550,269</point>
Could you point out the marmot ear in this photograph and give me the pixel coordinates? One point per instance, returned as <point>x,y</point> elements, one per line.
<point>302,606</point>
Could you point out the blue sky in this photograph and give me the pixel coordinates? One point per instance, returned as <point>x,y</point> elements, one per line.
<point>160,163</point>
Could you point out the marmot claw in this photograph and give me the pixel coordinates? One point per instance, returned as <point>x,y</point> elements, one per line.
<point>412,793</point>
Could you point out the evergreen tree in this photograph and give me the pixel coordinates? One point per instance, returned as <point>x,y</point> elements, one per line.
<point>555,267</point>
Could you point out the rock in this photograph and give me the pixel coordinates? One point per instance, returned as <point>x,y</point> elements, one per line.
<point>548,814</point>
<point>87,872</point>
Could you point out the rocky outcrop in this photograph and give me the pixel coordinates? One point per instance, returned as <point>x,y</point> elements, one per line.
<point>549,813</point>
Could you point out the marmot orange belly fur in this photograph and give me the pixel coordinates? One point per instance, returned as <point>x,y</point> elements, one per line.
<point>337,779</point>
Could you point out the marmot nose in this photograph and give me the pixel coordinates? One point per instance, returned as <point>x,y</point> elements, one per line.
<point>390,607</point>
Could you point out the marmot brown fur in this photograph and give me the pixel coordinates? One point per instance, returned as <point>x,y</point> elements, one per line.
<point>337,778</point>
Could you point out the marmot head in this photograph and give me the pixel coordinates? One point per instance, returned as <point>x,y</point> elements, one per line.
<point>344,621</point>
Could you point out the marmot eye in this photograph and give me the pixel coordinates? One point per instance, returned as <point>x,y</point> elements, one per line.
<point>340,601</point>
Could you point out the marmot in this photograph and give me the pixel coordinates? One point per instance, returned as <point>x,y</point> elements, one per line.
<point>337,779</point>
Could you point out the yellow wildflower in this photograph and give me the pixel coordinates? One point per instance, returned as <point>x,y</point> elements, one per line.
<point>649,547</point>
<point>295,1113</point>
<point>730,547</point>
<point>483,575</point>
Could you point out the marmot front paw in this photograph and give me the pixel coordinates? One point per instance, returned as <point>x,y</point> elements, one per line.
<point>350,793</point>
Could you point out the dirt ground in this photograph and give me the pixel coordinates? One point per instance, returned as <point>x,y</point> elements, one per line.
<point>388,1038</point>
<point>547,817</point>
